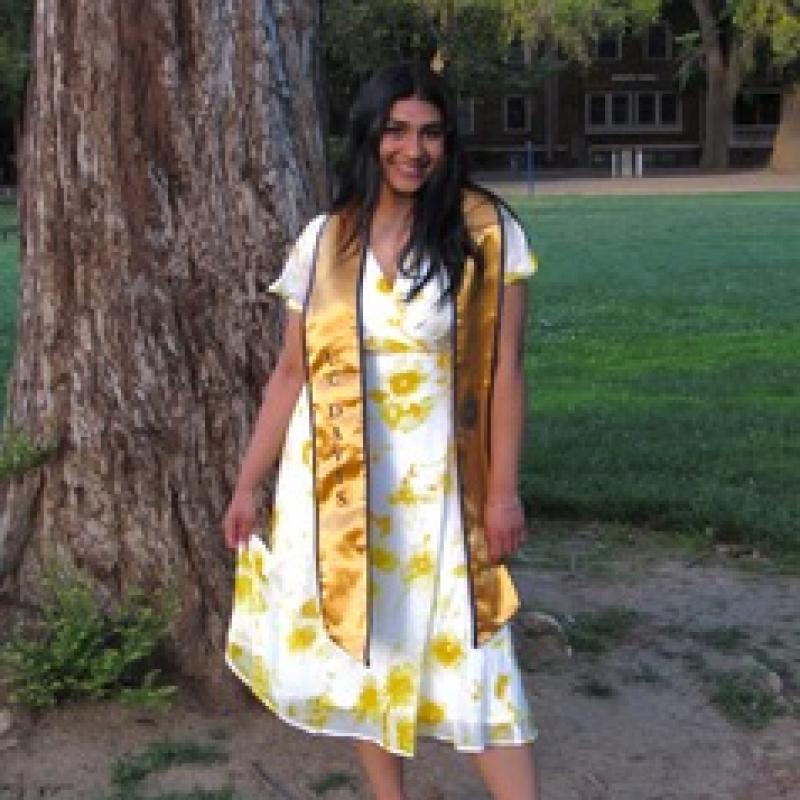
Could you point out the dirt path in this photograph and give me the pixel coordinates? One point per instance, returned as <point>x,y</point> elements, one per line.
<point>634,722</point>
<point>667,182</point>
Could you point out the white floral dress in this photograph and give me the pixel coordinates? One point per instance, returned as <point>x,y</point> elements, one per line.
<point>424,678</point>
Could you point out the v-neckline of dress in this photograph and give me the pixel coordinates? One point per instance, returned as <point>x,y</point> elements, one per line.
<point>390,282</point>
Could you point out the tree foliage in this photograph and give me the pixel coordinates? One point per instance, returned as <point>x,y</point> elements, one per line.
<point>473,38</point>
<point>772,23</point>
<point>749,35</point>
<point>574,23</point>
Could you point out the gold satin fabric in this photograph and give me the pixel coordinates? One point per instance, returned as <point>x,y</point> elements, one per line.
<point>334,350</point>
<point>477,311</point>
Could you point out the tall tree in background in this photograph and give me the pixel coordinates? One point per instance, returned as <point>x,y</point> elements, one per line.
<point>786,145</point>
<point>171,150</point>
<point>731,36</point>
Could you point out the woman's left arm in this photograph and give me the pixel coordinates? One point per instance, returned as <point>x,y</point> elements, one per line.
<point>504,517</point>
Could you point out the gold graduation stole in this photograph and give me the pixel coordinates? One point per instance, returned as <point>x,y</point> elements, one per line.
<point>333,348</point>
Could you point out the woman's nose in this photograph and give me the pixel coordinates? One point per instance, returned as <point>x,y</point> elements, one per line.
<point>414,145</point>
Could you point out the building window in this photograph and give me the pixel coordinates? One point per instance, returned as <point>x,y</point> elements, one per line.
<point>517,114</point>
<point>632,111</point>
<point>596,112</point>
<point>658,42</point>
<point>620,108</point>
<point>646,103</point>
<point>757,108</point>
<point>608,46</point>
<point>668,109</point>
<point>466,116</point>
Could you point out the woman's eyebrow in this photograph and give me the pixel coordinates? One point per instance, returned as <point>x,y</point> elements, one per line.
<point>402,123</point>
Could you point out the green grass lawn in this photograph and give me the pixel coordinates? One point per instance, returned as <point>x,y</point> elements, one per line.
<point>663,356</point>
<point>664,362</point>
<point>9,282</point>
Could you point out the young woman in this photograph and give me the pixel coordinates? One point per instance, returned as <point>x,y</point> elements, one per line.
<point>378,607</point>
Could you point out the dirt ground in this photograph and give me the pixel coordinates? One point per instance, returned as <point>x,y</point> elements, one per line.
<point>632,723</point>
<point>653,182</point>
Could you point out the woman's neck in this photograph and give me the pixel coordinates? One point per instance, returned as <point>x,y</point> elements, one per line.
<point>393,214</point>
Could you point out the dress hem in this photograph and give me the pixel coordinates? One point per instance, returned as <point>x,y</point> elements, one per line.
<point>366,738</point>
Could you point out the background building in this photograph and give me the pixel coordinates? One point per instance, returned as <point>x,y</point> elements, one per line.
<point>628,97</point>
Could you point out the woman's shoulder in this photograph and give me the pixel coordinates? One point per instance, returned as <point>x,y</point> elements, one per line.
<point>313,227</point>
<point>476,198</point>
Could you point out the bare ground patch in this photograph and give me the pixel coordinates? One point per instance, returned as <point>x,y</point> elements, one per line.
<point>631,714</point>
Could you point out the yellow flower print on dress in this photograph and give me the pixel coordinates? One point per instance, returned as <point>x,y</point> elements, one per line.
<point>368,705</point>
<point>301,638</point>
<point>430,713</point>
<point>401,416</point>
<point>446,481</point>
<point>406,494</point>
<point>383,559</point>
<point>501,685</point>
<point>319,709</point>
<point>259,678</point>
<point>420,565</point>
<point>384,285</point>
<point>309,609</point>
<point>235,653</point>
<point>405,735</point>
<point>400,684</point>
<point>405,381</point>
<point>501,732</point>
<point>247,586</point>
<point>385,344</point>
<point>383,523</point>
<point>446,649</point>
<point>242,587</point>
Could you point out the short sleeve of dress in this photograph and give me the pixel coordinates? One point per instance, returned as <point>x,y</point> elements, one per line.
<point>292,283</point>
<point>520,260</point>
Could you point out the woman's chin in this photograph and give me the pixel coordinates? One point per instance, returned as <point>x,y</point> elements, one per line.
<point>405,186</point>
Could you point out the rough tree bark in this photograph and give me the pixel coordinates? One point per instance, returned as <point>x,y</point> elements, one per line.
<point>724,74</point>
<point>786,148</point>
<point>172,149</point>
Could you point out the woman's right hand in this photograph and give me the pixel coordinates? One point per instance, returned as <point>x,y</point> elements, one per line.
<point>239,518</point>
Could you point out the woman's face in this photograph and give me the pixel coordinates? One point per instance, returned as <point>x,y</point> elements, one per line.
<point>411,145</point>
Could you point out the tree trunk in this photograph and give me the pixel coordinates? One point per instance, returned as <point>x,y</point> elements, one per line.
<point>718,117</point>
<point>722,84</point>
<point>172,150</point>
<point>786,148</point>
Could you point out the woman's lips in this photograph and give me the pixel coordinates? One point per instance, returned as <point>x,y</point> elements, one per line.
<point>413,172</point>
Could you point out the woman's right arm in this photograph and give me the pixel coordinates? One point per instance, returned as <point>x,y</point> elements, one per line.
<point>280,397</point>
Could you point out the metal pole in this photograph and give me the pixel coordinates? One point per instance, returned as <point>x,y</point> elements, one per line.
<point>530,165</point>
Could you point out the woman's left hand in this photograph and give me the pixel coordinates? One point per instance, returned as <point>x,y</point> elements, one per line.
<point>504,520</point>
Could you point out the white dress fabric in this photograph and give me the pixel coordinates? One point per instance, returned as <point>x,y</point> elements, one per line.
<point>424,678</point>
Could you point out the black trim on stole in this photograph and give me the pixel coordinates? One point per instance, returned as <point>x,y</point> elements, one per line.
<point>365,439</point>
<point>496,343</point>
<point>311,420</point>
<point>459,474</point>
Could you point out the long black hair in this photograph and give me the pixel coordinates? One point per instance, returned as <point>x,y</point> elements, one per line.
<point>438,230</point>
